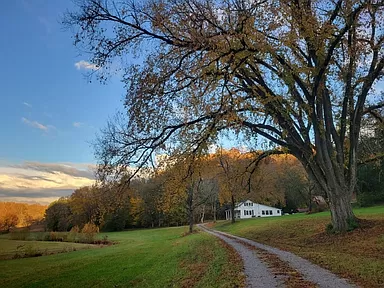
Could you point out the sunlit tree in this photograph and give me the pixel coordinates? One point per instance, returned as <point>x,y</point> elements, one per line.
<point>299,73</point>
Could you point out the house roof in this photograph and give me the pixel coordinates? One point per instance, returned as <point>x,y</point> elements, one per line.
<point>242,202</point>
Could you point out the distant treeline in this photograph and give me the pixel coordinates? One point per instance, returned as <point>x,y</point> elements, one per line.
<point>20,214</point>
<point>169,199</point>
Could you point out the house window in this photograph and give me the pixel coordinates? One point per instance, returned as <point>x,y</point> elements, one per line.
<point>253,212</point>
<point>251,204</point>
<point>270,212</point>
<point>278,211</point>
<point>263,212</point>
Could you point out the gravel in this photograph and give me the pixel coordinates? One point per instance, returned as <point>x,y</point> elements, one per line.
<point>258,274</point>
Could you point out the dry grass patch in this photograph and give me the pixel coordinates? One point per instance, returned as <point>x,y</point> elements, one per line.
<point>212,259</point>
<point>356,255</point>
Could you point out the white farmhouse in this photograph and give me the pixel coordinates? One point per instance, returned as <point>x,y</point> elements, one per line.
<point>248,209</point>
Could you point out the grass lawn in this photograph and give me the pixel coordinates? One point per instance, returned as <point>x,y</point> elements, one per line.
<point>10,249</point>
<point>142,258</point>
<point>357,255</point>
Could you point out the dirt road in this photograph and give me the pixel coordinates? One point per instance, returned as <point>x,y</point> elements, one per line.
<point>265,266</point>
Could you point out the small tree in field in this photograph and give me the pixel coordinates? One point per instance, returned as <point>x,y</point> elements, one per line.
<point>89,231</point>
<point>299,73</point>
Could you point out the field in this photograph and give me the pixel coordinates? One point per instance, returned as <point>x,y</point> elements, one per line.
<point>142,258</point>
<point>11,249</point>
<point>357,255</point>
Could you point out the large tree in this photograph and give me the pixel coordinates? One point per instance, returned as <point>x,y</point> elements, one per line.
<point>299,73</point>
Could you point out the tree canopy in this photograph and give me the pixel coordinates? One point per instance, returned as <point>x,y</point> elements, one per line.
<point>299,73</point>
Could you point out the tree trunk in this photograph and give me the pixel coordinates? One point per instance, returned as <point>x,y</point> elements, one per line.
<point>190,221</point>
<point>233,209</point>
<point>342,215</point>
<point>202,214</point>
<point>190,208</point>
<point>338,190</point>
<point>214,212</point>
<point>310,198</point>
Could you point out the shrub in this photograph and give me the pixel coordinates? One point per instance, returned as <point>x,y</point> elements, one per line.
<point>39,236</point>
<point>47,237</point>
<point>55,236</point>
<point>30,251</point>
<point>75,229</point>
<point>89,231</point>
<point>20,234</point>
<point>74,235</point>
<point>103,241</point>
<point>24,251</point>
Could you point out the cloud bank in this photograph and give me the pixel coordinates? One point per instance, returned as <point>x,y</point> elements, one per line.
<point>35,182</point>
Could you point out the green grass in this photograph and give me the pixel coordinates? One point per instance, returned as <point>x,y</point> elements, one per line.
<point>357,255</point>
<point>142,258</point>
<point>10,249</point>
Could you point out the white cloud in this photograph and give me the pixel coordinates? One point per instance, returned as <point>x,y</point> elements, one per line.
<point>37,125</point>
<point>82,64</point>
<point>78,124</point>
<point>27,104</point>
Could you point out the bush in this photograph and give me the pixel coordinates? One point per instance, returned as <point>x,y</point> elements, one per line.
<point>24,251</point>
<point>103,241</point>
<point>89,231</point>
<point>74,235</point>
<point>75,229</point>
<point>20,234</point>
<point>58,237</point>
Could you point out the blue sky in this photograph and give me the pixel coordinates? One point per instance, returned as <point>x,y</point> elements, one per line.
<point>49,111</point>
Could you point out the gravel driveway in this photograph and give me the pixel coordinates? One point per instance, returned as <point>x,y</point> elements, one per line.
<point>261,274</point>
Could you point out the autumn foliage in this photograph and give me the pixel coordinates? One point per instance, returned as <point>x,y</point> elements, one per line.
<point>181,192</point>
<point>14,214</point>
